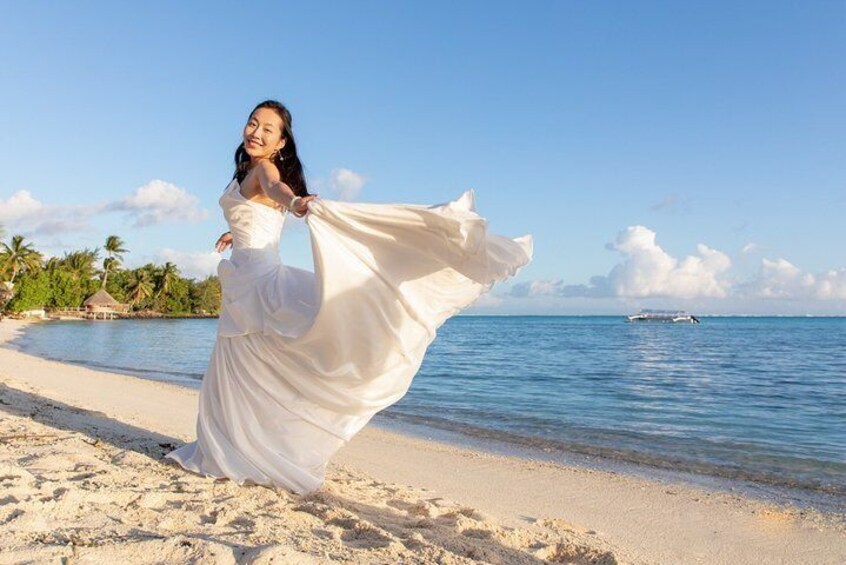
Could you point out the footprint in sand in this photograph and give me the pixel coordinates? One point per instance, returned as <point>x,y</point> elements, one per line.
<point>82,476</point>
<point>477,533</point>
<point>420,508</point>
<point>575,554</point>
<point>210,518</point>
<point>15,514</point>
<point>358,533</point>
<point>242,522</point>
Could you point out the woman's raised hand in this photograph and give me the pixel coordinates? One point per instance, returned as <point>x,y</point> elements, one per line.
<point>301,206</point>
<point>223,242</point>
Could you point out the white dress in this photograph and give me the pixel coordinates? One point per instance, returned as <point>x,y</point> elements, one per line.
<point>302,361</point>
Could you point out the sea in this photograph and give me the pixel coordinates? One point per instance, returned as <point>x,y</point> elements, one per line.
<point>754,404</point>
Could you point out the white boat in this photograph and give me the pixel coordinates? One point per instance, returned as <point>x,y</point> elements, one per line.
<point>667,316</point>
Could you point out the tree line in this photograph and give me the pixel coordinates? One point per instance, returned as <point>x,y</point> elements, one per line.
<point>65,282</point>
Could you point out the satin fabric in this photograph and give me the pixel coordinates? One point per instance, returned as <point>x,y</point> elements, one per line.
<point>303,360</point>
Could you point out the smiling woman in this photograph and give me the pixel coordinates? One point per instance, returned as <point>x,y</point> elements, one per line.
<point>303,360</point>
<point>270,148</point>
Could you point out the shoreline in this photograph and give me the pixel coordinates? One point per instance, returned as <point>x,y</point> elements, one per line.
<point>770,493</point>
<point>510,505</point>
<point>767,489</point>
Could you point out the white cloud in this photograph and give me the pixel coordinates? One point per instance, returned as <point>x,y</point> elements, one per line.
<point>22,213</point>
<point>153,203</point>
<point>346,183</point>
<point>487,300</point>
<point>159,201</point>
<point>782,279</point>
<point>750,247</point>
<point>192,264</point>
<point>777,279</point>
<point>647,271</point>
<point>831,285</point>
<point>19,205</point>
<point>553,287</point>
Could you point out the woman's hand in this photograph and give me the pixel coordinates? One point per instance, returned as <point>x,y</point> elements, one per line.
<point>301,206</point>
<point>223,242</point>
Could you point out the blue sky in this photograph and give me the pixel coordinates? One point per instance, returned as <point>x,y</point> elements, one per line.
<point>662,154</point>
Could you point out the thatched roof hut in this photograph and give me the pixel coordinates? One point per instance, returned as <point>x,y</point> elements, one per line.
<point>100,298</point>
<point>101,302</point>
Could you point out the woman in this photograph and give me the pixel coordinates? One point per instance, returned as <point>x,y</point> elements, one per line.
<point>302,360</point>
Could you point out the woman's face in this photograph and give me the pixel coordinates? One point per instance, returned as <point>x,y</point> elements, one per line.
<point>263,133</point>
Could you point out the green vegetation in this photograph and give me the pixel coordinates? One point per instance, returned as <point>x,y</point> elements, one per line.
<point>65,282</point>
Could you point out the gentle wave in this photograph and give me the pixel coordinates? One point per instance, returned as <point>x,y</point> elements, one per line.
<point>757,399</point>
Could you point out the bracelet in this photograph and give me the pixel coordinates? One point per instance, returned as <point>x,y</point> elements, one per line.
<point>292,204</point>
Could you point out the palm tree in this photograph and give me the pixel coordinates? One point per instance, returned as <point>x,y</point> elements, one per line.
<point>142,287</point>
<point>168,275</point>
<point>114,247</point>
<point>114,250</point>
<point>18,256</point>
<point>81,263</point>
<point>109,265</point>
<point>52,264</point>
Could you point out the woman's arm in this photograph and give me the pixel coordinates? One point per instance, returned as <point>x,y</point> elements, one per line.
<point>272,185</point>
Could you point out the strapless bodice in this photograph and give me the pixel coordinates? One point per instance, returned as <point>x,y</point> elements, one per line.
<point>254,277</point>
<point>256,228</point>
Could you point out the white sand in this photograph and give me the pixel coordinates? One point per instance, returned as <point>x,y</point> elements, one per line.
<point>82,477</point>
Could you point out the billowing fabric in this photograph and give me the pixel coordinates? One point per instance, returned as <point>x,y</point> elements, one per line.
<point>302,360</point>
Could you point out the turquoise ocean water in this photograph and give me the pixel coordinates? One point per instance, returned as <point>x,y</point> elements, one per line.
<point>761,400</point>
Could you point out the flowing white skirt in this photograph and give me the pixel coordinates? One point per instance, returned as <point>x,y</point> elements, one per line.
<point>303,360</point>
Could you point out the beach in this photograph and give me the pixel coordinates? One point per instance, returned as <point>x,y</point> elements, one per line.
<point>84,479</point>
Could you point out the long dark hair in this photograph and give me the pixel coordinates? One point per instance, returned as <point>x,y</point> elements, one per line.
<point>286,160</point>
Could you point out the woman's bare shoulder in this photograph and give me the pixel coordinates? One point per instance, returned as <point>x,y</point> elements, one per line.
<point>267,171</point>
